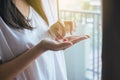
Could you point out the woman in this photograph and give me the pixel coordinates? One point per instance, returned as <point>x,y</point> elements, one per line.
<point>26,43</point>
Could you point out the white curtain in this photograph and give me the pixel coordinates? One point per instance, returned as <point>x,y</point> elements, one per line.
<point>50,8</point>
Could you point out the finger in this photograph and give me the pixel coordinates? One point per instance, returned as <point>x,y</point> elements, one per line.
<point>72,37</point>
<point>58,35</point>
<point>57,30</point>
<point>55,26</point>
<point>62,28</point>
<point>67,28</point>
<point>74,26</point>
<point>79,39</point>
<point>71,27</point>
<point>75,37</point>
<point>53,34</point>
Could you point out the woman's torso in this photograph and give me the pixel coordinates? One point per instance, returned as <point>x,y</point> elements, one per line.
<point>49,66</point>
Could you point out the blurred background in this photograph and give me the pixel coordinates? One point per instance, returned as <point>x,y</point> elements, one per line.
<point>84,59</point>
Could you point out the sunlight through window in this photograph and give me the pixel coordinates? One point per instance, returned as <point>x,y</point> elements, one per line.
<point>84,59</point>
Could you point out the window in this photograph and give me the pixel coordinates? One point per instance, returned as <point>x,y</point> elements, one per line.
<point>84,59</point>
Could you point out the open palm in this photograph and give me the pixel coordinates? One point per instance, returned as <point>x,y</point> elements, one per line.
<point>55,46</point>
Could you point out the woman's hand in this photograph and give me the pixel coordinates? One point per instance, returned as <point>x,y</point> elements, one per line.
<point>76,39</point>
<point>67,42</point>
<point>60,28</point>
<point>54,45</point>
<point>57,30</point>
<point>70,26</point>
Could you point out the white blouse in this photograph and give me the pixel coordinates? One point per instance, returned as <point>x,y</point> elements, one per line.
<point>49,66</point>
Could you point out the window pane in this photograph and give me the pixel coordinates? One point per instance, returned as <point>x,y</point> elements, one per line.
<point>84,59</point>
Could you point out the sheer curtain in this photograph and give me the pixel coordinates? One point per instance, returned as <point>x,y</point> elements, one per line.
<point>50,8</point>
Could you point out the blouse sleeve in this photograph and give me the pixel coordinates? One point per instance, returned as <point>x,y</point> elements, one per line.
<point>5,51</point>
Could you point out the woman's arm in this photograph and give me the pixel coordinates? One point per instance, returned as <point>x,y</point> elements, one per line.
<point>12,68</point>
